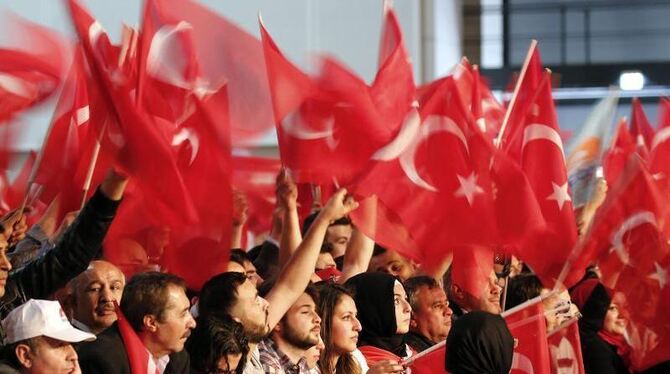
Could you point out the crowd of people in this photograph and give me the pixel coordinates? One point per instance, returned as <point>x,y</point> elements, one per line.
<point>327,300</point>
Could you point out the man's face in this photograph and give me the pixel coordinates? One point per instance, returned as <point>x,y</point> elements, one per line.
<point>5,265</point>
<point>50,356</point>
<point>432,315</point>
<point>301,324</point>
<point>489,300</point>
<point>338,236</point>
<point>177,321</point>
<point>96,290</point>
<point>251,311</point>
<point>392,263</point>
<point>252,274</point>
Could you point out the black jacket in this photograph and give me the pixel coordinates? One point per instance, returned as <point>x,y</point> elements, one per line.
<point>107,355</point>
<point>600,357</point>
<point>49,272</point>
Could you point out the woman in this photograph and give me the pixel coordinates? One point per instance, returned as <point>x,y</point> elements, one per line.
<point>339,329</point>
<point>479,343</point>
<point>217,345</point>
<point>384,314</point>
<point>601,329</point>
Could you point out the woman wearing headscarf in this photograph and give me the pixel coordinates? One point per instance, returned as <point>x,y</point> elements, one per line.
<point>479,343</point>
<point>601,330</point>
<point>384,313</point>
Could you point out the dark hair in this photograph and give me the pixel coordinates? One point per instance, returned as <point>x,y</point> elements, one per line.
<point>378,250</point>
<point>330,295</point>
<point>239,256</point>
<point>521,288</point>
<point>219,294</point>
<point>309,220</point>
<point>412,286</point>
<point>212,339</point>
<point>147,294</point>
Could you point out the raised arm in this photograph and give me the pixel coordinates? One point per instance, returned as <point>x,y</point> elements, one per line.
<point>295,276</point>
<point>287,197</point>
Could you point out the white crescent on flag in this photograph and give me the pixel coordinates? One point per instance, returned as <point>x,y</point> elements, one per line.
<point>630,223</point>
<point>186,134</point>
<point>537,131</point>
<point>522,363</point>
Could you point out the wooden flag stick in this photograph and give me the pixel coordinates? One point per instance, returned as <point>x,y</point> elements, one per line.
<point>91,166</point>
<point>517,86</point>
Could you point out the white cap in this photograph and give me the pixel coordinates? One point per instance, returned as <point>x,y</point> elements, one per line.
<point>41,317</point>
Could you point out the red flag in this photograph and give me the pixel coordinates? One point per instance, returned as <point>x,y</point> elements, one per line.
<point>139,359</point>
<point>640,129</point>
<point>142,150</point>
<point>529,82</point>
<point>629,239</point>
<point>527,324</point>
<point>566,349</point>
<point>61,158</point>
<point>659,160</point>
<point>616,156</point>
<point>430,361</point>
<point>32,68</point>
<point>439,159</point>
<point>471,269</point>
<point>226,54</point>
<point>542,158</point>
<point>255,176</point>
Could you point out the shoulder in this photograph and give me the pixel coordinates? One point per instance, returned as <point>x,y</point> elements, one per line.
<point>360,360</point>
<point>104,355</point>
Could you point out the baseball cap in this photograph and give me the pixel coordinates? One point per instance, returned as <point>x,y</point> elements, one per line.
<point>41,318</point>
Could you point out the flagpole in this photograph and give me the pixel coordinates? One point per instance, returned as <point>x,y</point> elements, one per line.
<point>517,86</point>
<point>91,166</point>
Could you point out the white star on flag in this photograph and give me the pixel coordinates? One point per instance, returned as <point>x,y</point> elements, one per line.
<point>660,275</point>
<point>560,194</point>
<point>469,187</point>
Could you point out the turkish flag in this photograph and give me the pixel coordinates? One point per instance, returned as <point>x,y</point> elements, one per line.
<point>617,155</point>
<point>471,268</point>
<point>531,76</point>
<point>629,240</point>
<point>226,54</point>
<point>255,177</point>
<point>486,109</point>
<point>566,349</point>
<point>31,67</point>
<point>440,161</point>
<point>62,166</point>
<point>542,159</point>
<point>131,135</point>
<point>528,326</point>
<point>430,361</point>
<point>659,160</point>
<point>640,129</point>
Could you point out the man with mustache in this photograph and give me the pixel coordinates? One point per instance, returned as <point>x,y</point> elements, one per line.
<point>298,331</point>
<point>157,309</point>
<point>94,293</point>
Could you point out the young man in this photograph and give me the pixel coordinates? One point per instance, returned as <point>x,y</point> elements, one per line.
<point>234,295</point>
<point>157,309</point>
<point>94,293</point>
<point>39,340</point>
<point>431,315</point>
<point>299,330</point>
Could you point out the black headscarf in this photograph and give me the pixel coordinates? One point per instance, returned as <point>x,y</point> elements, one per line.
<point>479,343</point>
<point>376,311</point>
<point>593,300</point>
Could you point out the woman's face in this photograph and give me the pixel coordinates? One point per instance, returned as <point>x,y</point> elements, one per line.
<point>403,310</point>
<point>614,321</point>
<point>345,326</point>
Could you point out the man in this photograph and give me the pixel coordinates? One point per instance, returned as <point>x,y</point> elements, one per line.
<point>157,309</point>
<point>463,302</point>
<point>77,247</point>
<point>94,293</point>
<point>391,262</point>
<point>298,331</point>
<point>242,258</point>
<point>431,315</point>
<point>39,339</point>
<point>234,295</point>
<point>337,236</point>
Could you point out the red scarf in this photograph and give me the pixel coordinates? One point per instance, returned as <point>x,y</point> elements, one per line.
<point>618,341</point>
